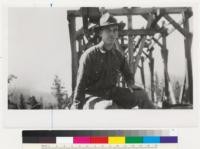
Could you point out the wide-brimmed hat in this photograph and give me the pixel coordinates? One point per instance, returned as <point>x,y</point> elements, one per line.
<point>108,20</point>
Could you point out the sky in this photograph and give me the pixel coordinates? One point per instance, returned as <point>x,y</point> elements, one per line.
<point>39,48</point>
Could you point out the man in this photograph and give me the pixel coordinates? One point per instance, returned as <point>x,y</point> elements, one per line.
<point>99,69</point>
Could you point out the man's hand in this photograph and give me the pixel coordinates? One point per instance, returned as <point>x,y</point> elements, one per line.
<point>133,87</point>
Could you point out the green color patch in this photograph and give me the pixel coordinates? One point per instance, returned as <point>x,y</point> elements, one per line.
<point>134,139</point>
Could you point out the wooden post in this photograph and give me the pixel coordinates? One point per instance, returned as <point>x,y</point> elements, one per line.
<point>188,43</point>
<point>151,66</point>
<point>138,57</point>
<point>142,72</point>
<point>80,48</point>
<point>164,52</point>
<point>130,43</point>
<point>137,43</point>
<point>122,45</point>
<point>72,31</point>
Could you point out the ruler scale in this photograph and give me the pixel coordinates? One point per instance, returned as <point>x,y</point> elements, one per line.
<point>100,139</point>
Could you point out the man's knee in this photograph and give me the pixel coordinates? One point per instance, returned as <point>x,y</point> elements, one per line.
<point>141,94</point>
<point>144,101</point>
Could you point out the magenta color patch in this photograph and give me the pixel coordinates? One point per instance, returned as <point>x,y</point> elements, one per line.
<point>81,140</point>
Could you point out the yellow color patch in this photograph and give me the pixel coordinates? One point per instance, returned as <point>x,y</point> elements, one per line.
<point>116,140</point>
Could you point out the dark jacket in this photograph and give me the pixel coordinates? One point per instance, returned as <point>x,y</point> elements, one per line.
<point>98,72</point>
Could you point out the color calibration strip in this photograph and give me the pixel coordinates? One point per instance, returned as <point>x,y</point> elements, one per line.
<point>103,140</point>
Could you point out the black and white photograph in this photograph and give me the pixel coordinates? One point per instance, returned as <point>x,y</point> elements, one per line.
<point>107,58</point>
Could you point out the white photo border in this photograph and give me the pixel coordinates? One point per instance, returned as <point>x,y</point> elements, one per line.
<point>103,118</point>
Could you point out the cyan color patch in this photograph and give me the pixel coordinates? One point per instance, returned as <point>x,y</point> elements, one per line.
<point>151,139</point>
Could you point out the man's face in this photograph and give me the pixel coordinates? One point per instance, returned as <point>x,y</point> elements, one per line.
<point>109,34</point>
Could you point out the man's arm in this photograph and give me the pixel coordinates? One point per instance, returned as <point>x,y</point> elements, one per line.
<point>82,75</point>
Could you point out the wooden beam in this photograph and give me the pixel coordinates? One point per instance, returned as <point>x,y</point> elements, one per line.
<point>151,67</point>
<point>182,90</point>
<point>164,53</point>
<point>142,72</point>
<point>157,42</point>
<point>137,44</point>
<point>138,57</point>
<point>122,44</point>
<point>139,32</point>
<point>130,44</point>
<point>133,32</point>
<point>138,11</point>
<point>72,30</point>
<point>145,54</point>
<point>123,82</point>
<point>157,18</point>
<point>176,25</point>
<point>130,11</point>
<point>156,26</point>
<point>79,33</point>
<point>188,56</point>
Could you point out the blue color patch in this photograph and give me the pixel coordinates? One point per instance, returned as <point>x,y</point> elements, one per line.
<point>151,139</point>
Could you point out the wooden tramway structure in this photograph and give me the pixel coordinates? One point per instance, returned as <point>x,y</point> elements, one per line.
<point>135,48</point>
